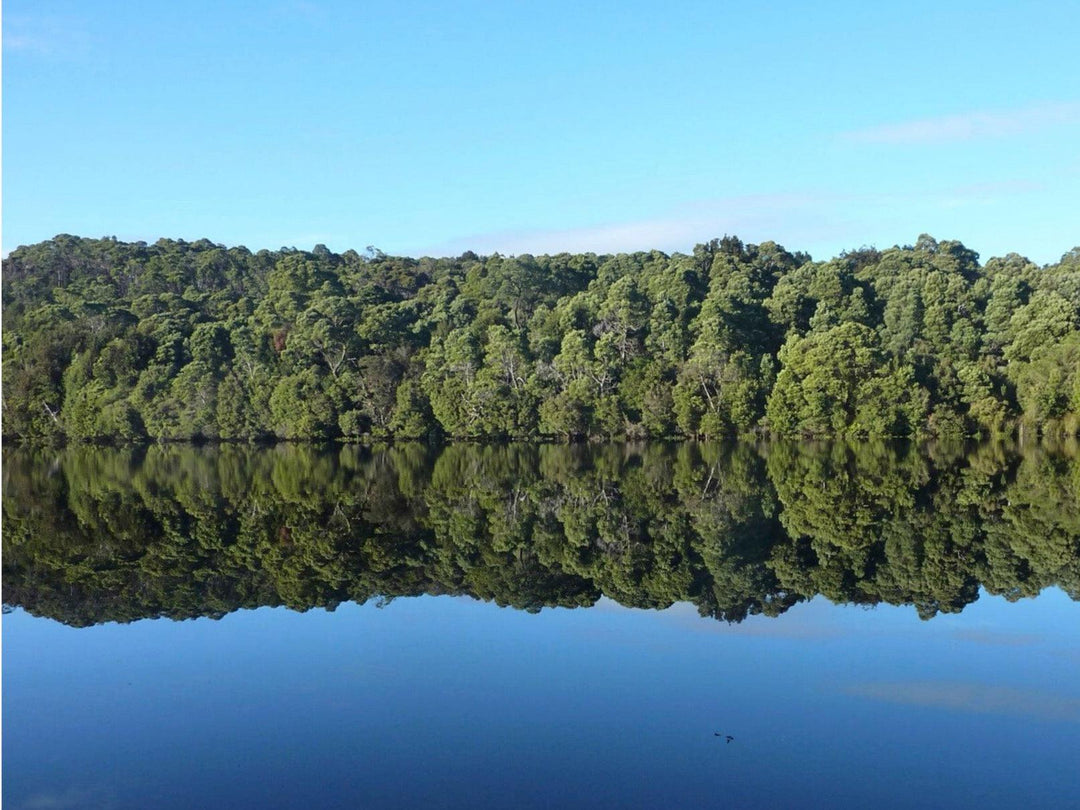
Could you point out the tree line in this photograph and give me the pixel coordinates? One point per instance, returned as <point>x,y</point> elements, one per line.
<point>112,341</point>
<point>104,534</point>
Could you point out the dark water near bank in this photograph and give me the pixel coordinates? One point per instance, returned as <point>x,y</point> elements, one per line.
<point>715,591</point>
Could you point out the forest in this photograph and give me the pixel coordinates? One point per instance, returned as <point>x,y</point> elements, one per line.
<point>94,534</point>
<point>108,341</point>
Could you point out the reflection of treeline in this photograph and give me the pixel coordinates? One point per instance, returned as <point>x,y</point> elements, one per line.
<point>105,340</point>
<point>94,535</point>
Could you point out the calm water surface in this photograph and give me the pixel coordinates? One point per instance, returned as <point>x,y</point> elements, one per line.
<point>542,627</point>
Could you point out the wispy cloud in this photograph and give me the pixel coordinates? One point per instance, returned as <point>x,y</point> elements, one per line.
<point>65,800</point>
<point>983,194</point>
<point>797,218</point>
<point>44,35</point>
<point>997,639</point>
<point>303,9</point>
<point>974,698</point>
<point>971,125</point>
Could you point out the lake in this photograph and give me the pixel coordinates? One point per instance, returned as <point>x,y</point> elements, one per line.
<point>654,625</point>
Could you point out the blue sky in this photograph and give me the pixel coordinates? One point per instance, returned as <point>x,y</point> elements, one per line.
<point>433,128</point>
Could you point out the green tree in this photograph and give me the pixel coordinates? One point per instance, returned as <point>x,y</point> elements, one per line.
<point>840,382</point>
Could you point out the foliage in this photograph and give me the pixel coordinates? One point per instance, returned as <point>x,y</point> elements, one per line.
<point>100,534</point>
<point>107,341</point>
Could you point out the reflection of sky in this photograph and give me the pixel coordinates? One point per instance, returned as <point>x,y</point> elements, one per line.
<point>440,702</point>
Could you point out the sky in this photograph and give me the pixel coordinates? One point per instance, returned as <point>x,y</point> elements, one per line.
<point>431,128</point>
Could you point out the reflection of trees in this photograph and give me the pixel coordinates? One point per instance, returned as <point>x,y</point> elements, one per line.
<point>1034,543</point>
<point>93,535</point>
<point>871,523</point>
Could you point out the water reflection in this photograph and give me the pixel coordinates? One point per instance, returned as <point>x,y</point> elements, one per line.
<point>94,535</point>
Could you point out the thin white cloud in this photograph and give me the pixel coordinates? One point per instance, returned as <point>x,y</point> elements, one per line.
<point>985,194</point>
<point>44,36</point>
<point>796,218</point>
<point>997,189</point>
<point>303,9</point>
<point>971,125</point>
<point>823,223</point>
<point>946,197</point>
<point>975,698</point>
<point>996,638</point>
<point>62,800</point>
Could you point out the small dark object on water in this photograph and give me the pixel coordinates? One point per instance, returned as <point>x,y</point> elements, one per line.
<point>727,737</point>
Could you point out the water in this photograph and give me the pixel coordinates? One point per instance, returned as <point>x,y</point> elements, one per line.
<point>862,621</point>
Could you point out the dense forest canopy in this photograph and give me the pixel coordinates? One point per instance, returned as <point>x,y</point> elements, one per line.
<point>112,341</point>
<point>103,534</point>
